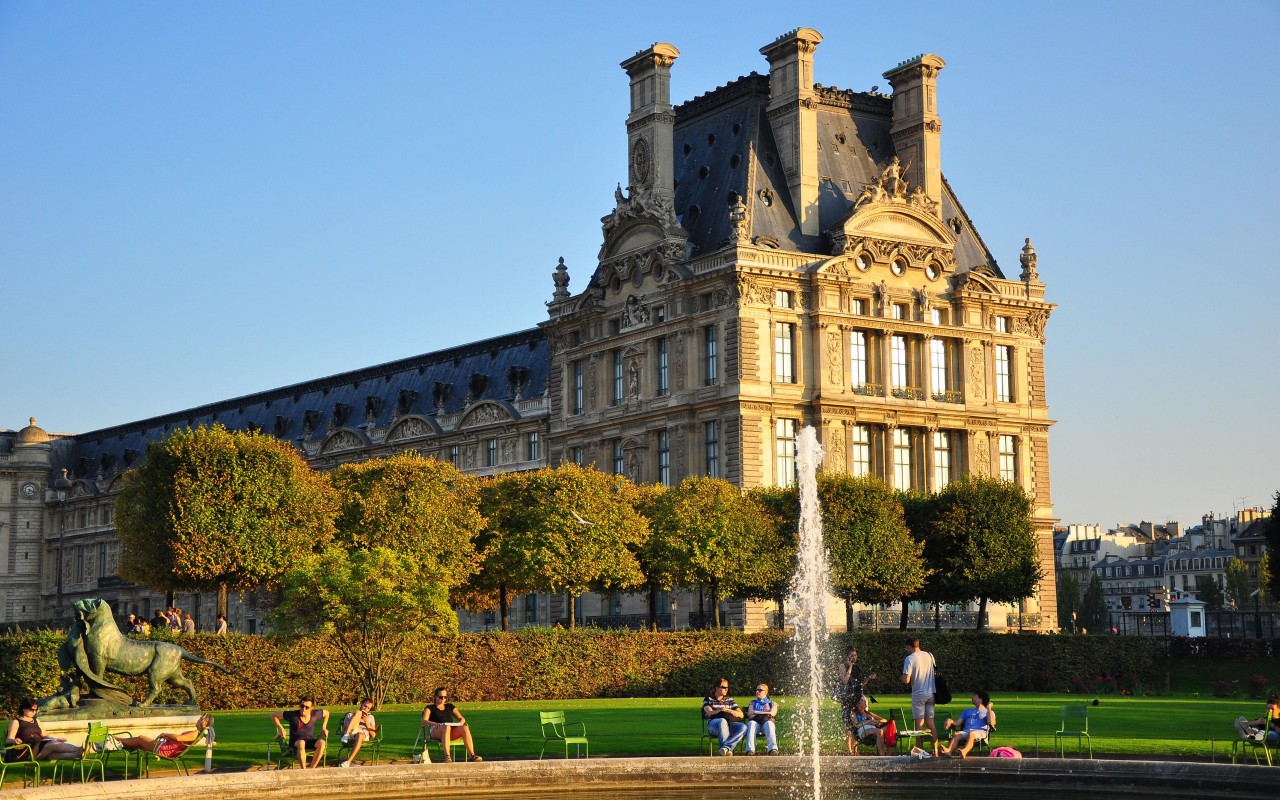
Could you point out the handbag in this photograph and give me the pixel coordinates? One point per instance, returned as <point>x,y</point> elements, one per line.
<point>891,733</point>
<point>941,692</point>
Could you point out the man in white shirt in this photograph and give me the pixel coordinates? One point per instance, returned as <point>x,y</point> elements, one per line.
<point>917,672</point>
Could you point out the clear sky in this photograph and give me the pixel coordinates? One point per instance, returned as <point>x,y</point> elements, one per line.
<point>201,201</point>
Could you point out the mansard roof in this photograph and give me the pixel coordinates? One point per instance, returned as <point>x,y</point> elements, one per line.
<point>445,381</point>
<point>724,149</point>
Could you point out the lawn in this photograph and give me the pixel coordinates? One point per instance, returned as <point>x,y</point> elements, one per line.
<point>1124,727</point>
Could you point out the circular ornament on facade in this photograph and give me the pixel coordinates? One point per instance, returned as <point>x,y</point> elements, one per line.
<point>863,262</point>
<point>932,272</point>
<point>29,490</point>
<point>899,267</point>
<point>641,162</point>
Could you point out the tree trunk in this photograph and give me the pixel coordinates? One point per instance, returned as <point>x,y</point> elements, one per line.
<point>169,599</point>
<point>937,615</point>
<point>653,606</point>
<point>222,600</point>
<point>782,610</point>
<point>848,615</point>
<point>573,610</point>
<point>982,613</point>
<point>715,603</point>
<point>504,607</point>
<point>902,621</point>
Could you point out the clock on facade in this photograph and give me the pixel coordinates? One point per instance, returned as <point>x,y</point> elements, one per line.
<point>29,490</point>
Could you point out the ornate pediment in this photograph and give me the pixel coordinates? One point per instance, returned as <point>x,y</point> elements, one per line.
<point>342,439</point>
<point>411,428</point>
<point>486,412</point>
<point>886,210</point>
<point>642,238</point>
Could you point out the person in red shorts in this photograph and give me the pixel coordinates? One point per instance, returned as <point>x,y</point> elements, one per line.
<point>168,745</point>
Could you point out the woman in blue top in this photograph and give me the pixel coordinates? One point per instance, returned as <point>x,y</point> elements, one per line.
<point>973,726</point>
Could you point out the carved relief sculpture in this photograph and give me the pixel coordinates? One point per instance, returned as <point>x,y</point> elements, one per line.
<point>976,384</point>
<point>982,453</point>
<point>835,365</point>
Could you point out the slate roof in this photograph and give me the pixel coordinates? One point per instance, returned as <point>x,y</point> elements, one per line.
<point>724,149</point>
<point>483,370</point>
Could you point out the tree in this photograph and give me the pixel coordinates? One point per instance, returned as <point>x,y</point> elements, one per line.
<point>567,529</point>
<point>1238,585</point>
<point>988,524</point>
<point>1210,591</point>
<point>874,558</point>
<point>1271,585</point>
<point>211,509</point>
<point>1265,578</point>
<point>1094,615</point>
<point>654,556</point>
<point>1068,599</point>
<point>782,508</point>
<point>717,537</point>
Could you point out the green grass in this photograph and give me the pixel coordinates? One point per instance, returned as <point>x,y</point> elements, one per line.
<point>1126,727</point>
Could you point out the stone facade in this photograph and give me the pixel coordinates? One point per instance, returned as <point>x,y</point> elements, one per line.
<point>784,254</point>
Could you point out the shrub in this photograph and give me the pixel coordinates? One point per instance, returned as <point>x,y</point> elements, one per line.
<point>1225,688</point>
<point>1259,686</point>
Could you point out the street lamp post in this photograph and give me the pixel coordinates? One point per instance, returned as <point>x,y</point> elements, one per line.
<point>1257,613</point>
<point>61,487</point>
<point>674,606</point>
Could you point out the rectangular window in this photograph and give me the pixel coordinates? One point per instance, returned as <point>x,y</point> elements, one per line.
<point>899,311</point>
<point>938,365</point>
<point>663,386</point>
<point>708,302</point>
<point>1004,382</point>
<point>1008,458</point>
<point>782,299</point>
<point>861,451</point>
<point>941,459</point>
<point>531,608</point>
<point>783,358</point>
<point>491,453</point>
<point>619,460</point>
<point>534,448</point>
<point>898,361</point>
<point>664,459</point>
<point>858,358</point>
<point>709,375</point>
<point>858,306</point>
<point>1002,324</point>
<point>617,378</point>
<point>102,559</point>
<point>80,561</point>
<point>578,388</point>
<point>901,458</point>
<point>453,454</point>
<point>785,450</point>
<point>711,443</point>
<point>575,455</point>
<point>935,316</point>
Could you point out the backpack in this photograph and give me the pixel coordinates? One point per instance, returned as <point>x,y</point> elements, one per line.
<point>1005,752</point>
<point>941,692</point>
<point>891,733</point>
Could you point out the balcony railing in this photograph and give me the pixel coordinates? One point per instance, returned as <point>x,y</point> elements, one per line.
<point>908,393</point>
<point>921,619</point>
<point>869,390</point>
<point>949,396</point>
<point>1012,621</point>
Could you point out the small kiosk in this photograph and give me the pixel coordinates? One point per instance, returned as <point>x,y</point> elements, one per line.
<point>1186,617</point>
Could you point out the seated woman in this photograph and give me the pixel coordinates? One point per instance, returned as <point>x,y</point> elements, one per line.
<point>868,728</point>
<point>166,745</point>
<point>443,718</point>
<point>974,725</point>
<point>26,741</point>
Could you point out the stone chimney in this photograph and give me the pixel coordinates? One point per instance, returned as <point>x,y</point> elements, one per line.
<point>651,123</point>
<point>793,116</point>
<point>916,130</point>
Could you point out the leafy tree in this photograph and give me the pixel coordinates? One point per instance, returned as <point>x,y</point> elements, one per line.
<point>1068,599</point>
<point>567,529</point>
<point>717,537</point>
<point>782,506</point>
<point>654,555</point>
<point>211,509</point>
<point>1238,586</point>
<point>988,524</point>
<point>369,601</point>
<point>1210,591</point>
<point>940,558</point>
<point>1265,578</point>
<point>874,558</point>
<point>1094,615</point>
<point>1271,585</point>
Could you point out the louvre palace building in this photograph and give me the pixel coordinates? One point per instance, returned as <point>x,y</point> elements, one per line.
<point>784,254</point>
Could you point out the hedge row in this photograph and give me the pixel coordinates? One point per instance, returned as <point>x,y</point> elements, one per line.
<point>536,664</point>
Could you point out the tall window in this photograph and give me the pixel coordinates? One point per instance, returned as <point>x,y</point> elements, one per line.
<point>858,306</point>
<point>861,451</point>
<point>102,559</point>
<point>663,385</point>
<point>534,448</point>
<point>453,454</point>
<point>938,364</point>
<point>491,453</point>
<point>901,458</point>
<point>1002,324</point>
<point>1008,458</point>
<point>899,311</point>
<point>709,355</point>
<point>1004,382</point>
<point>942,459</point>
<point>617,377</point>
<point>80,560</point>
<point>664,459</point>
<point>782,299</point>
<point>575,455</point>
<point>785,449</point>
<point>858,357</point>
<point>711,445</point>
<point>784,363</point>
<point>619,461</point>
<point>898,361</point>
<point>578,386</point>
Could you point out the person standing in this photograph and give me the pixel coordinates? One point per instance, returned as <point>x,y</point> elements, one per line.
<point>724,718</point>
<point>853,687</point>
<point>188,624</point>
<point>220,626</point>
<point>917,672</point>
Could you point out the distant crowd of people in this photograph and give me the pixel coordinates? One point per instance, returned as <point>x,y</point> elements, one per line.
<point>174,619</point>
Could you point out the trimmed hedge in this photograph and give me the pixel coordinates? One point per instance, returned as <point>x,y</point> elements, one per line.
<point>540,663</point>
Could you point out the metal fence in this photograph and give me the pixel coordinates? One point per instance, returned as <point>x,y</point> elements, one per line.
<point>1220,624</point>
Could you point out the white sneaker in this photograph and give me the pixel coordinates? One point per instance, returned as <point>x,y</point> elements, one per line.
<point>345,764</point>
<point>724,751</point>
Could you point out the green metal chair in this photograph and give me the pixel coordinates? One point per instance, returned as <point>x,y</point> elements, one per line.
<point>424,740</point>
<point>908,738</point>
<point>26,761</point>
<point>177,760</point>
<point>372,745</point>
<point>553,726</point>
<point>1261,742</point>
<point>99,744</point>
<point>279,752</point>
<point>1075,722</point>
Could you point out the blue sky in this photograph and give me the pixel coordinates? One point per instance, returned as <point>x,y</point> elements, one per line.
<point>200,201</point>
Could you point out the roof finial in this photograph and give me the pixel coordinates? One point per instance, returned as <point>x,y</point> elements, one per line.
<point>1028,259</point>
<point>561,279</point>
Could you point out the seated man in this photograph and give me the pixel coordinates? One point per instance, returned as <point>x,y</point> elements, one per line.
<point>868,728</point>
<point>358,727</point>
<point>724,718</point>
<point>167,745</point>
<point>1270,723</point>
<point>974,725</point>
<point>762,714</point>
<point>302,730</point>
